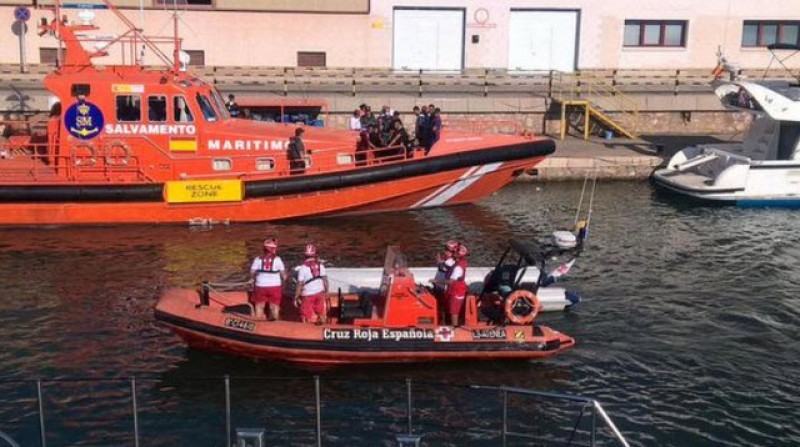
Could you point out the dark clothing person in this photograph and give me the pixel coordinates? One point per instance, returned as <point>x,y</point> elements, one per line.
<point>297,154</point>
<point>400,137</point>
<point>376,143</point>
<point>420,129</point>
<point>232,107</point>
<point>435,129</point>
<point>362,149</point>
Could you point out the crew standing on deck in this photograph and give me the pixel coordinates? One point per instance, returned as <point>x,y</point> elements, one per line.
<point>312,287</point>
<point>456,293</point>
<point>444,263</point>
<point>268,272</point>
<point>297,153</point>
<point>232,107</point>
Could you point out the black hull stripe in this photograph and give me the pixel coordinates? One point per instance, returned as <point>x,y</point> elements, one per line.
<point>415,168</point>
<point>283,186</point>
<point>413,346</point>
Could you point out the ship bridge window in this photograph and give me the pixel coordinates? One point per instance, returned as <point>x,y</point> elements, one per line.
<point>220,103</point>
<point>205,106</point>
<point>183,114</point>
<point>157,108</point>
<point>129,108</point>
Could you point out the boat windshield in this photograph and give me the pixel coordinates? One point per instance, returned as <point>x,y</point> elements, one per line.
<point>395,261</point>
<point>205,106</point>
<point>220,103</point>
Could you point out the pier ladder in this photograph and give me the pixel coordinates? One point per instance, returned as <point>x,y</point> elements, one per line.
<point>591,103</point>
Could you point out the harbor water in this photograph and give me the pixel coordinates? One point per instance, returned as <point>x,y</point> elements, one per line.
<point>688,333</point>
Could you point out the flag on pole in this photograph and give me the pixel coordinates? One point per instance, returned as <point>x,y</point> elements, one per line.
<point>562,269</point>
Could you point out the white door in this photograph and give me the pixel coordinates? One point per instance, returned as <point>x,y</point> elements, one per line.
<point>428,39</point>
<point>542,40</point>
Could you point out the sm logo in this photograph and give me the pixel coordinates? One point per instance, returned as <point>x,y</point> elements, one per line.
<point>84,120</point>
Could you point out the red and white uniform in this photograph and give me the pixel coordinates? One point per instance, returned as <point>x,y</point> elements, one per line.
<point>268,287</point>
<point>457,289</point>
<point>311,273</point>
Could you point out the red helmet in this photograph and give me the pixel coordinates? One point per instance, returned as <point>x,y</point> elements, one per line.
<point>271,244</point>
<point>311,250</point>
<point>451,245</point>
<point>462,250</point>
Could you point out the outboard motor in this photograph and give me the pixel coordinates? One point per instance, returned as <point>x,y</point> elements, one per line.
<point>573,299</point>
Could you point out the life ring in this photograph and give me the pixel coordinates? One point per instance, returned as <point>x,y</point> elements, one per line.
<point>522,306</point>
<point>117,153</point>
<point>83,155</point>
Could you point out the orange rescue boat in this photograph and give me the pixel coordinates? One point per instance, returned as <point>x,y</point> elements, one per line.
<point>134,144</point>
<point>399,324</point>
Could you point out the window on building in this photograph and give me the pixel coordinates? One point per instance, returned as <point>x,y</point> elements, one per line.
<point>311,59</point>
<point>761,33</point>
<point>183,114</point>
<point>50,55</point>
<point>197,58</point>
<point>157,108</point>
<point>655,33</point>
<point>190,3</point>
<point>129,108</point>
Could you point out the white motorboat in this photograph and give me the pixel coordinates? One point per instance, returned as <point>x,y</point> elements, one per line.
<point>511,273</point>
<point>762,170</point>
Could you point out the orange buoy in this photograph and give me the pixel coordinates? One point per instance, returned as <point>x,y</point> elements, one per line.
<point>522,306</point>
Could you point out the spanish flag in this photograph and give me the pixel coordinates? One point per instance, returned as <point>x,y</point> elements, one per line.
<point>182,144</point>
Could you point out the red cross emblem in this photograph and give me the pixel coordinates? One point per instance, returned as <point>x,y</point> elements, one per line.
<point>444,333</point>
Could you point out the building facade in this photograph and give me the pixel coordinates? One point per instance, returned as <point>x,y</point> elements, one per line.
<point>448,35</point>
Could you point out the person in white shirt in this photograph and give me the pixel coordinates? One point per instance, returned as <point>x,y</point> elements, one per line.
<point>444,263</point>
<point>456,292</point>
<point>268,273</point>
<point>355,120</point>
<point>312,286</point>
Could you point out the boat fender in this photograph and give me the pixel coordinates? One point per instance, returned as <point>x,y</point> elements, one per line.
<point>84,155</point>
<point>117,153</point>
<point>522,306</point>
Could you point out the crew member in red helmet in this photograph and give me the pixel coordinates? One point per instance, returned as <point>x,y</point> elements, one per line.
<point>268,273</point>
<point>456,292</point>
<point>312,286</point>
<point>444,263</point>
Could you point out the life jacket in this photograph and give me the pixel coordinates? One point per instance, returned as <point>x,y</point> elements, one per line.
<point>315,267</point>
<point>458,287</point>
<point>267,264</point>
<point>445,269</point>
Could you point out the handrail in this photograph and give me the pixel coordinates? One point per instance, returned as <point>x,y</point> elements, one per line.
<point>130,384</point>
<point>559,396</point>
<point>8,440</point>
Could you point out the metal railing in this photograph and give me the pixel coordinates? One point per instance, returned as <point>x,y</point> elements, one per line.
<point>23,160</point>
<point>598,96</point>
<point>593,405</point>
<point>477,412</point>
<point>483,82</point>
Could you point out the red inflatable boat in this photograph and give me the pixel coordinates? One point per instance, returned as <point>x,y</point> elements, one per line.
<point>400,323</point>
